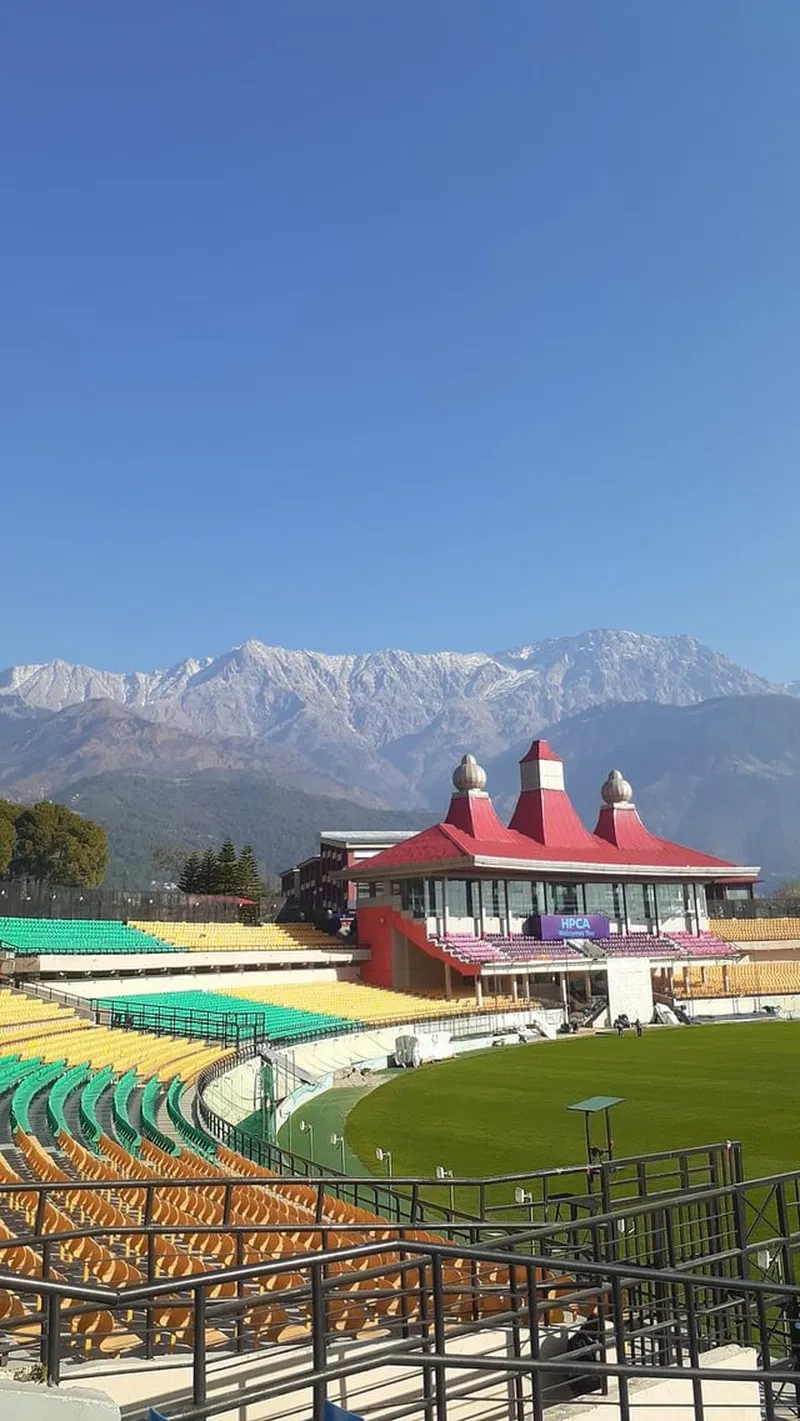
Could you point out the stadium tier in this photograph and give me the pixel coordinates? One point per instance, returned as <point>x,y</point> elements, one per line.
<point>704,944</point>
<point>356,1002</point>
<point>758,929</point>
<point>237,937</point>
<point>214,1015</point>
<point>35,1030</point>
<point>68,1129</point>
<point>740,979</point>
<point>35,936</point>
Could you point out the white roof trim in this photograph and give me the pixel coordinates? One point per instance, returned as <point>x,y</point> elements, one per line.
<point>617,870</point>
<point>458,867</point>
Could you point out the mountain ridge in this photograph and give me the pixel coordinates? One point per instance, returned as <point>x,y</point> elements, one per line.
<point>387,721</point>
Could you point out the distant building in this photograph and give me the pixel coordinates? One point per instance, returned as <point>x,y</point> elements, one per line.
<point>311,884</point>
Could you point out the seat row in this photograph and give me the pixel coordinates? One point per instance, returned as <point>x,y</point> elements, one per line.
<point>237,937</point>
<point>355,1001</point>
<point>207,1014</point>
<point>78,935</point>
<point>740,979</point>
<point>262,1219</point>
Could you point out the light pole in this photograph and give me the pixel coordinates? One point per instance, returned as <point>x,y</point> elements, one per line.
<point>339,1140</point>
<point>386,1155</point>
<point>266,1101</point>
<point>524,1196</point>
<point>306,1129</point>
<point>442,1173</point>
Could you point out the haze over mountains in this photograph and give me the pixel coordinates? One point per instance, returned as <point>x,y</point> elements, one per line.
<point>381,732</point>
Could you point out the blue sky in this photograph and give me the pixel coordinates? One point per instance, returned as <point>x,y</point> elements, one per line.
<point>430,324</point>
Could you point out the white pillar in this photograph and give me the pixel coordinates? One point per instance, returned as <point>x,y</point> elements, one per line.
<point>444,908</point>
<point>478,992</point>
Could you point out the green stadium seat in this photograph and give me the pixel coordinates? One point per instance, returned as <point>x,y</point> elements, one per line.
<point>126,1131</point>
<point>26,1092</point>
<point>216,1017</point>
<point>150,1126</point>
<point>37,936</point>
<point>59,1092</point>
<point>196,1138</point>
<point>87,1109</point>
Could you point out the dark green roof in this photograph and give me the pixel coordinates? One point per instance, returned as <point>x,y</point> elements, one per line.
<point>595,1103</point>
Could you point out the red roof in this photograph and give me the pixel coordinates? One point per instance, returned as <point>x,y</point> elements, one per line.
<point>623,828</point>
<point>545,828</point>
<point>476,816</point>
<point>540,750</point>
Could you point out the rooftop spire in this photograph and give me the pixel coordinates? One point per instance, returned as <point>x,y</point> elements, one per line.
<point>616,790</point>
<point>471,809</point>
<point>469,777</point>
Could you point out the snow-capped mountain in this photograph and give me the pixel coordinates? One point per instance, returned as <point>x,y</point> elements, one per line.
<point>394,720</point>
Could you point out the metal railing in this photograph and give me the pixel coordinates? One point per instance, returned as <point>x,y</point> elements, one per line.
<point>619,1324</point>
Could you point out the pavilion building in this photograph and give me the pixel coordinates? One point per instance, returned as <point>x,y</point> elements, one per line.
<point>471,899</point>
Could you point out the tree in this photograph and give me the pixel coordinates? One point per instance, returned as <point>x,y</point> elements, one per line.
<point>169,859</point>
<point>191,874</point>
<point>8,838</point>
<point>208,877</point>
<point>786,893</point>
<point>249,878</point>
<point>54,845</point>
<point>9,814</point>
<point>227,869</point>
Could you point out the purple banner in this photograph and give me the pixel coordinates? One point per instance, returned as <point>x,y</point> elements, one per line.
<point>552,926</point>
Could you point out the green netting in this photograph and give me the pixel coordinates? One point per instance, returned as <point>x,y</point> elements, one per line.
<point>215,1017</point>
<point>127,1133</point>
<point>26,1092</point>
<point>87,1109</point>
<point>79,935</point>
<point>150,1125</point>
<point>58,1096</point>
<point>192,1134</point>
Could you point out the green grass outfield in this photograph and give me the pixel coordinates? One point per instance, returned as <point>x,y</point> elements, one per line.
<point>506,1110</point>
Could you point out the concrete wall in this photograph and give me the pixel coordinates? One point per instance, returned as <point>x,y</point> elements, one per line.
<point>26,1401</point>
<point>738,1006</point>
<point>210,982</point>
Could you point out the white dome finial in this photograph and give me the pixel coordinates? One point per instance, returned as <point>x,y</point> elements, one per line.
<point>616,790</point>
<point>469,775</point>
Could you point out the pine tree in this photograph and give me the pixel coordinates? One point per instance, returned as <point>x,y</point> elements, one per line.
<point>190,876</point>
<point>249,878</point>
<point>227,869</point>
<point>209,873</point>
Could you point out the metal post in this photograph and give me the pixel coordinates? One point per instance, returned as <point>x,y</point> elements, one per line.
<point>53,1339</point>
<point>763,1338</point>
<point>694,1351</point>
<point>533,1326</point>
<point>619,1342</point>
<point>199,1349</point>
<point>516,1348</point>
<point>318,1347</point>
<point>439,1338</point>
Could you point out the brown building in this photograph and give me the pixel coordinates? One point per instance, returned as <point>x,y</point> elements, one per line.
<point>314,884</point>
